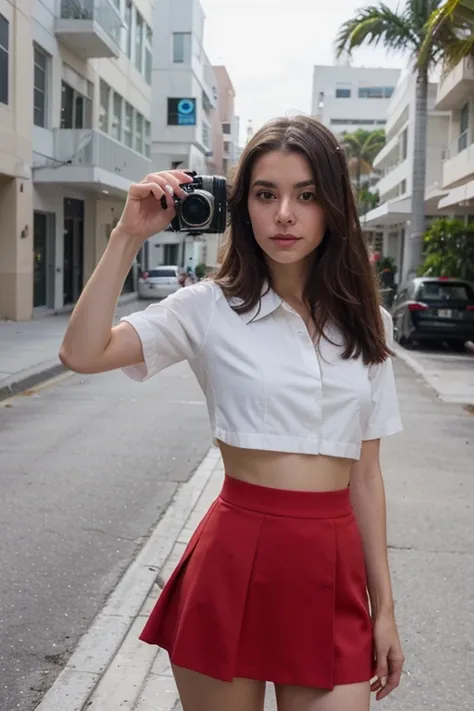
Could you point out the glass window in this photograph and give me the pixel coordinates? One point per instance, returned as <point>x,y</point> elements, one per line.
<point>128,125</point>
<point>104,106</point>
<point>445,291</point>
<point>182,47</point>
<point>79,111</point>
<point>138,132</point>
<point>226,128</point>
<point>4,48</point>
<point>343,93</point>
<point>128,29</point>
<point>147,147</point>
<point>148,53</point>
<point>463,127</point>
<point>67,106</point>
<point>39,91</point>
<point>371,92</point>
<point>116,127</point>
<point>138,41</point>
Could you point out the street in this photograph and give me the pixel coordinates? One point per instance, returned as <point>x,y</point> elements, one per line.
<point>87,466</point>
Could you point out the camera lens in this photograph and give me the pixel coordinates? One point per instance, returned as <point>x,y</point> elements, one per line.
<point>196,210</point>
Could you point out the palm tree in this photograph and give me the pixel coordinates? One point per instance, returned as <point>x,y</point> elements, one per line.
<point>406,30</point>
<point>361,147</point>
<point>461,14</point>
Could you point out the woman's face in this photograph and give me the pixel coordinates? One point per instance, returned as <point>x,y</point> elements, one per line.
<point>287,221</point>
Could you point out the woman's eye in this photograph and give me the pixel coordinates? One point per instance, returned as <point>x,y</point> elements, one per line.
<point>308,197</point>
<point>265,195</point>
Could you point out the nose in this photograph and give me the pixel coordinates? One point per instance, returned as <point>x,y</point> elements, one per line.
<point>285,214</point>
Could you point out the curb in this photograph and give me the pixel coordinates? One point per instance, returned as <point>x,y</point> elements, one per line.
<point>99,645</point>
<point>24,382</point>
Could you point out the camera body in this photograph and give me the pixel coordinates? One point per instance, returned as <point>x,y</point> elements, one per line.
<point>205,207</point>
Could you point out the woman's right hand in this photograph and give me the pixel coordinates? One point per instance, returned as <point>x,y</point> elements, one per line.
<point>143,214</point>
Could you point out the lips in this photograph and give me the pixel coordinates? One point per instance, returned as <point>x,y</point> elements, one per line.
<point>285,240</point>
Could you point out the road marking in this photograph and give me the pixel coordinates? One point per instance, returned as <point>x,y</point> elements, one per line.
<point>37,388</point>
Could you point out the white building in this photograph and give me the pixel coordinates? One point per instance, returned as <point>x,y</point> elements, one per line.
<point>456,94</point>
<point>79,107</point>
<point>347,98</point>
<point>187,130</point>
<point>391,218</point>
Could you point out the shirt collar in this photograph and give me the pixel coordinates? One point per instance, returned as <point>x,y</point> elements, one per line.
<point>268,303</point>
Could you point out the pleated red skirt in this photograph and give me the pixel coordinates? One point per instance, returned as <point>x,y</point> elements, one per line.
<point>271,586</point>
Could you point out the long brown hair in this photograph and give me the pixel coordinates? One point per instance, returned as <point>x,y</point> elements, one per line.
<point>341,286</point>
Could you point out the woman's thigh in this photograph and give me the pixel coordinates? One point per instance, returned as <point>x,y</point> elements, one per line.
<point>203,693</point>
<point>355,697</point>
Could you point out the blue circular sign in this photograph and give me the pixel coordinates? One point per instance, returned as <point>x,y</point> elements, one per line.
<point>185,106</point>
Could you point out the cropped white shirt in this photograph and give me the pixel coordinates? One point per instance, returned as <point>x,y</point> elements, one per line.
<point>266,384</point>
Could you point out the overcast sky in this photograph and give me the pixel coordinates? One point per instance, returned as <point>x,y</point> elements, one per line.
<point>270,46</point>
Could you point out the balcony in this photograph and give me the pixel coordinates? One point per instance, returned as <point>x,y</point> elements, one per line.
<point>90,158</point>
<point>393,177</point>
<point>90,28</point>
<point>459,169</point>
<point>457,87</point>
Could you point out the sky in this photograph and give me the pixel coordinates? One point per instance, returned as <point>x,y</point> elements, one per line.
<point>270,46</point>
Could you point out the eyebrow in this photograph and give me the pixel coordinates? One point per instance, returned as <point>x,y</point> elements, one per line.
<point>270,184</point>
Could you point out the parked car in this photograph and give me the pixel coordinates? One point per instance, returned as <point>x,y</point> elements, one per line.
<point>159,282</point>
<point>434,309</point>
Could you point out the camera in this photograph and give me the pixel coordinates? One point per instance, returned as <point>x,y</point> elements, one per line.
<point>204,209</point>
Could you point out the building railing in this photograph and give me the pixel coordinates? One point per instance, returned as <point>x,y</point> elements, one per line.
<point>102,11</point>
<point>89,147</point>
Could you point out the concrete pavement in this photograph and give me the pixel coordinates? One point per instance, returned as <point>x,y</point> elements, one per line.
<point>430,489</point>
<point>29,349</point>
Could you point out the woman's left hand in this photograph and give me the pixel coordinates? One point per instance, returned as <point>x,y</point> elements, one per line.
<point>388,654</point>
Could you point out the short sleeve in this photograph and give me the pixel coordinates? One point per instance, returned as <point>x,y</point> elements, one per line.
<point>384,415</point>
<point>172,330</point>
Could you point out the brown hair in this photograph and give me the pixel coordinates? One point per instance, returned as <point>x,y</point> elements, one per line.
<point>341,286</point>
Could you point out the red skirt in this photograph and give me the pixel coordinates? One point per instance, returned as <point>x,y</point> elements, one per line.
<point>271,586</point>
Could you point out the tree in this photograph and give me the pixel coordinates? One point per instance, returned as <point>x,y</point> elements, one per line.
<point>361,148</point>
<point>407,30</point>
<point>449,249</point>
<point>459,13</point>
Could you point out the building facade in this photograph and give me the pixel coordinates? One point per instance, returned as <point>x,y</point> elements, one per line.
<point>456,95</point>
<point>78,115</point>
<point>390,219</point>
<point>347,98</point>
<point>194,124</point>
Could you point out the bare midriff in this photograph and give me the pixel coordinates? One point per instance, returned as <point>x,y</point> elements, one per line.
<point>279,470</point>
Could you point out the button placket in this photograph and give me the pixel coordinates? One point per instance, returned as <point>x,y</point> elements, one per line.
<point>308,351</point>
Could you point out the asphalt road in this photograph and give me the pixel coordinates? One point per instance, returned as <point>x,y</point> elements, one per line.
<point>87,466</point>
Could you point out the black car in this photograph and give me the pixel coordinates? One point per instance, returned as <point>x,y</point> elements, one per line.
<point>435,309</point>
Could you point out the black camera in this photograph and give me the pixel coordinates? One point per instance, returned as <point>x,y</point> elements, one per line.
<point>204,209</point>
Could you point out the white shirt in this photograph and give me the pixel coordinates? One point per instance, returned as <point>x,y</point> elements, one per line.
<point>266,385</point>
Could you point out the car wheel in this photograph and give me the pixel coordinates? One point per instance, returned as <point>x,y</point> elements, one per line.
<point>458,346</point>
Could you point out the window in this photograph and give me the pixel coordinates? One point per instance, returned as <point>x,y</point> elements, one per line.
<point>39,91</point>
<point>445,291</point>
<point>375,92</point>
<point>170,254</point>
<point>226,128</point>
<point>343,93</point>
<point>128,125</point>
<point>463,127</point>
<point>128,29</point>
<point>138,132</point>
<point>147,146</point>
<point>139,41</point>
<point>206,134</point>
<point>4,69</point>
<point>116,124</point>
<point>181,47</point>
<point>148,53</point>
<point>227,147</point>
<point>76,109</point>
<point>104,106</point>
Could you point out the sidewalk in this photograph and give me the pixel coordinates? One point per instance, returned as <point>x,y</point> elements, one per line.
<point>29,349</point>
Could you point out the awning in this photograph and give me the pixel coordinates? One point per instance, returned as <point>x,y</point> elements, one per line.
<point>458,195</point>
<point>389,213</point>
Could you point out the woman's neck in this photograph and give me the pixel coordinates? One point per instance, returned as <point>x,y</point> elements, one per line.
<point>288,280</point>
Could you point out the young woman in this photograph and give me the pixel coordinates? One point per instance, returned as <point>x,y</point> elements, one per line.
<point>289,345</point>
